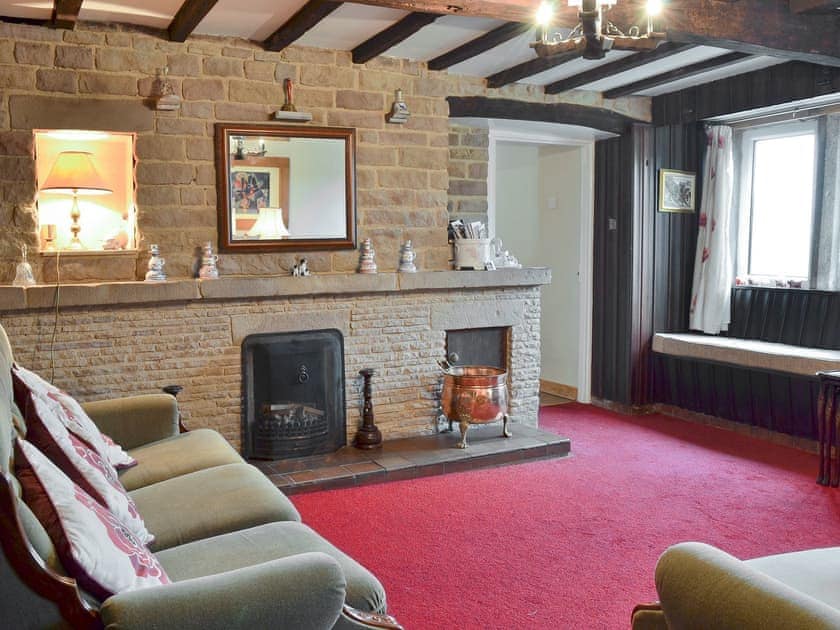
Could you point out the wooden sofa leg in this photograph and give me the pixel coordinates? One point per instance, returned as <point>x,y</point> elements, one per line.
<point>375,620</point>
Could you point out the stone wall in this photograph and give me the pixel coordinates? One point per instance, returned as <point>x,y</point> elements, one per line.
<point>101,77</point>
<point>468,157</point>
<point>109,348</point>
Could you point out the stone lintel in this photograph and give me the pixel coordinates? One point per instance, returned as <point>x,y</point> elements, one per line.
<point>529,276</point>
<point>244,325</point>
<point>478,314</point>
<point>45,112</point>
<point>12,298</point>
<point>112,293</point>
<point>284,286</point>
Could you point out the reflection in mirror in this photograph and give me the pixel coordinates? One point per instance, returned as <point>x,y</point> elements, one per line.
<point>285,187</point>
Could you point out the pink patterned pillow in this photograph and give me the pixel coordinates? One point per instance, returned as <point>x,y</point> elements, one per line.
<point>101,553</point>
<point>82,464</point>
<point>72,416</point>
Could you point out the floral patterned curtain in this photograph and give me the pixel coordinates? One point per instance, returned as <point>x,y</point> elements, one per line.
<point>713,272</point>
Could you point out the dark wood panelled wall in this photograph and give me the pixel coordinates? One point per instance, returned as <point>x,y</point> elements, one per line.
<point>644,259</point>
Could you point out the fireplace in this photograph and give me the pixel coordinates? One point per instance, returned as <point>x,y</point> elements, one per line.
<point>293,394</point>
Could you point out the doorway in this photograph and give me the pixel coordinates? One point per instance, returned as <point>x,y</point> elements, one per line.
<point>540,204</point>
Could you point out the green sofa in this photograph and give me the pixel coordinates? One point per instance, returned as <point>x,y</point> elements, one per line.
<point>702,587</point>
<point>232,543</point>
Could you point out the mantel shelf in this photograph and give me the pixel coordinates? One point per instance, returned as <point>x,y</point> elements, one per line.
<point>245,287</point>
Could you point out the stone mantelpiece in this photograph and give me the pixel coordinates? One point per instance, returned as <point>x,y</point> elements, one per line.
<point>135,337</point>
<point>232,287</point>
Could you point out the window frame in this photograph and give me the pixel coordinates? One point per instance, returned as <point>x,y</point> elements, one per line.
<point>746,146</point>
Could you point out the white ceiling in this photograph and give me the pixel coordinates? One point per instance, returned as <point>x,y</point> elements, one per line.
<point>352,24</point>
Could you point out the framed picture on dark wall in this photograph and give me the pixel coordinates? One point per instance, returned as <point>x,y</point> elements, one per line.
<point>676,191</point>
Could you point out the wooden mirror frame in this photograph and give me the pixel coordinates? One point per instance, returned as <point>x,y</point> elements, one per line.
<point>223,134</point>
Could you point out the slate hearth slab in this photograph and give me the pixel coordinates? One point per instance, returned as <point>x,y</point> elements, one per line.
<point>410,458</point>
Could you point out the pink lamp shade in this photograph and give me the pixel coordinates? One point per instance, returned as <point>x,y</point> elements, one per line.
<point>73,172</point>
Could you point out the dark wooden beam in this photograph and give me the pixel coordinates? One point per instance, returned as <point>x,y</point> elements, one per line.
<point>65,13</point>
<point>814,6</point>
<point>508,10</point>
<point>188,17</point>
<point>308,16</point>
<point>751,48</point>
<point>481,44</point>
<point>529,69</point>
<point>610,69</point>
<point>769,24</point>
<point>392,36</point>
<point>562,113</point>
<point>684,72</point>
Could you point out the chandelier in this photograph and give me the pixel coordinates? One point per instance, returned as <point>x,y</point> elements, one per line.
<point>594,35</point>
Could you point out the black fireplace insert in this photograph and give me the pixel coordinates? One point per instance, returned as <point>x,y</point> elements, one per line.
<point>293,394</point>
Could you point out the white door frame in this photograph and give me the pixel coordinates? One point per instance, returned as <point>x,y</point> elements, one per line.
<point>587,216</point>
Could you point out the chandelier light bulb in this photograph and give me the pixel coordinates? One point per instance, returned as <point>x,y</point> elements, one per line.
<point>544,13</point>
<point>654,7</point>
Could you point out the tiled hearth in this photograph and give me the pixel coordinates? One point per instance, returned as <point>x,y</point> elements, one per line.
<point>408,458</point>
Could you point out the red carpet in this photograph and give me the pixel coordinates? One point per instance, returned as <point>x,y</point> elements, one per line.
<point>572,543</point>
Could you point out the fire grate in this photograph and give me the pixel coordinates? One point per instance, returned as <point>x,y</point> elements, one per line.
<point>293,391</point>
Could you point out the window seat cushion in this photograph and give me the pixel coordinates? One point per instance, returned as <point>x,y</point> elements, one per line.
<point>778,357</point>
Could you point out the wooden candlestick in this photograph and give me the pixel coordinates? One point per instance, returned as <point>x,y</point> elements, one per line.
<point>368,435</point>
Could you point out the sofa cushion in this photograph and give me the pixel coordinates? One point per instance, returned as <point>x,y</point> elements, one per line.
<point>96,548</point>
<point>81,463</point>
<point>209,502</point>
<point>6,401</point>
<point>178,455</point>
<point>27,383</point>
<point>815,572</point>
<point>268,542</point>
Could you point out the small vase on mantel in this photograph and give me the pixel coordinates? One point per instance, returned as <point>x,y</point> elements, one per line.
<point>367,258</point>
<point>156,264</point>
<point>209,269</point>
<point>407,257</point>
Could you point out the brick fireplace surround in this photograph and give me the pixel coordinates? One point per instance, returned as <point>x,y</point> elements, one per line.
<point>128,338</point>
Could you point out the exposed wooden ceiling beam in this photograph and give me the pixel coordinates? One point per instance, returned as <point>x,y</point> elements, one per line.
<point>684,72</point>
<point>766,24</point>
<point>188,17</point>
<point>529,69</point>
<point>562,113</point>
<point>65,13</point>
<point>610,69</point>
<point>308,16</point>
<point>481,44</point>
<point>508,10</point>
<point>392,36</point>
<point>814,6</point>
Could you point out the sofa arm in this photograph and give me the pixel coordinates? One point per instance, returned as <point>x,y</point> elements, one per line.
<point>302,591</point>
<point>700,586</point>
<point>136,420</point>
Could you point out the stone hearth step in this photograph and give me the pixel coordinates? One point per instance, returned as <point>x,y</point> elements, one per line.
<point>408,458</point>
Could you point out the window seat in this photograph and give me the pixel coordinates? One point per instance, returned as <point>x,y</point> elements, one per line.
<point>765,355</point>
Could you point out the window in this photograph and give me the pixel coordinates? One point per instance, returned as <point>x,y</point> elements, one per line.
<point>777,201</point>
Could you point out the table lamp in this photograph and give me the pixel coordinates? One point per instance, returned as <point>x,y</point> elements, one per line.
<point>74,173</point>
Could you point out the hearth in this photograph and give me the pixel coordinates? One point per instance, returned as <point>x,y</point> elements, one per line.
<point>293,394</point>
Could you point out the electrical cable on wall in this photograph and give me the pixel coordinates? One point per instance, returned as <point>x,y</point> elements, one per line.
<point>55,321</point>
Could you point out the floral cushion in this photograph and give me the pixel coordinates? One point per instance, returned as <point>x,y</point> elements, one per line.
<point>96,548</point>
<point>73,416</point>
<point>81,463</point>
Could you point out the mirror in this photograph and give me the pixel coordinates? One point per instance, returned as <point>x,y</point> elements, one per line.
<point>285,188</point>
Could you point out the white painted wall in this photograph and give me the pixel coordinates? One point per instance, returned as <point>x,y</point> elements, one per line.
<point>560,217</point>
<point>538,217</point>
<point>517,200</point>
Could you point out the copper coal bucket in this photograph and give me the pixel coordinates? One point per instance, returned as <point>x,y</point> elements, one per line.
<point>474,394</point>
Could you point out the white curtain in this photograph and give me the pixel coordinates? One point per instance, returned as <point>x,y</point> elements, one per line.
<point>711,290</point>
<point>828,230</point>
